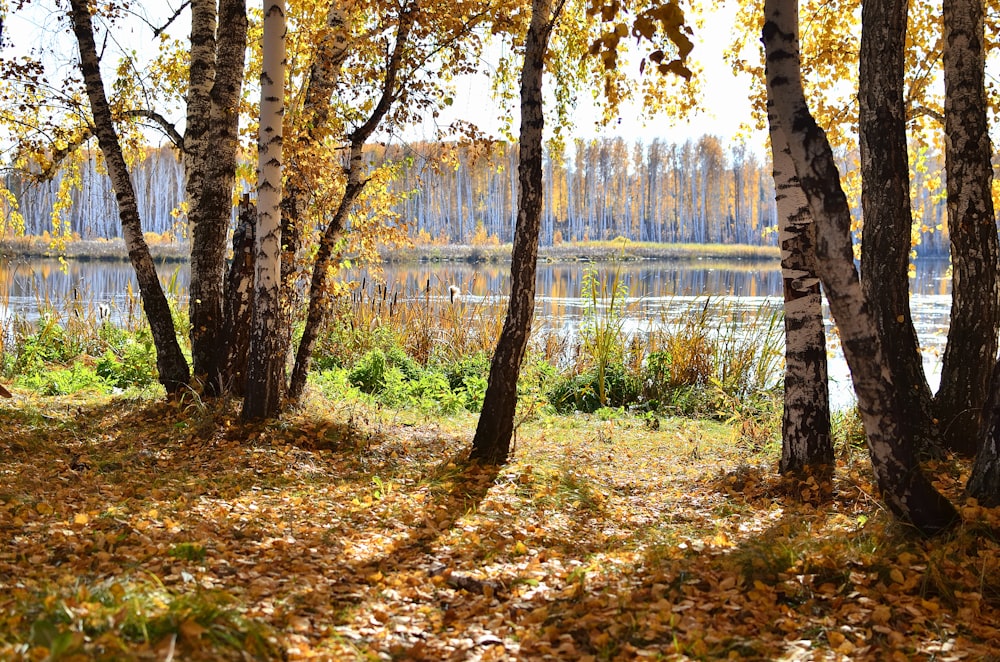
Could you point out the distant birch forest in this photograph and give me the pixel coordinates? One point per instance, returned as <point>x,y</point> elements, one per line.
<point>698,191</point>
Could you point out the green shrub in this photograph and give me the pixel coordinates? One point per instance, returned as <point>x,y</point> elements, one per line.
<point>49,343</point>
<point>368,374</point>
<point>582,392</point>
<point>63,381</point>
<point>131,363</point>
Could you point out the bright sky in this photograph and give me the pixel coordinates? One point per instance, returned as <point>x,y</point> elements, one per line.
<point>727,108</point>
<point>726,113</point>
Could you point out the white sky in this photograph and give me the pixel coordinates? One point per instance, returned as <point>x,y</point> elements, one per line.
<point>727,111</point>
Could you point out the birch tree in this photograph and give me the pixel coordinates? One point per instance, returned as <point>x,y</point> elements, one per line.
<point>171,365</point>
<point>215,78</point>
<point>885,200</point>
<point>265,369</point>
<point>905,489</point>
<point>975,309</point>
<point>805,427</point>
<point>356,181</point>
<point>491,444</point>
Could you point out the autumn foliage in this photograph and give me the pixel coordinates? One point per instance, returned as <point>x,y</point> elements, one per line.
<point>138,529</point>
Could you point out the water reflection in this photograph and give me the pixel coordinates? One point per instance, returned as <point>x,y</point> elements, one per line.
<point>658,292</point>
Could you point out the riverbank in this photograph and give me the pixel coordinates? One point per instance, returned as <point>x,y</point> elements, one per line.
<point>83,250</point>
<point>593,251</point>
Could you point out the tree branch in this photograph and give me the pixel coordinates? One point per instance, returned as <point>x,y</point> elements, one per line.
<point>924,111</point>
<point>160,30</point>
<point>169,129</point>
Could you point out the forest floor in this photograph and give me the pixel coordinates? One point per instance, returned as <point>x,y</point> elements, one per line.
<point>135,528</point>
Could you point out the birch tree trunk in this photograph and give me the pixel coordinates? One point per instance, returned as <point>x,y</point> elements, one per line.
<point>355,185</point>
<point>885,201</point>
<point>211,141</point>
<point>972,335</point>
<point>238,305</point>
<point>324,72</point>
<point>805,426</point>
<point>905,489</point>
<point>491,444</point>
<point>984,482</point>
<point>171,365</point>
<point>265,365</point>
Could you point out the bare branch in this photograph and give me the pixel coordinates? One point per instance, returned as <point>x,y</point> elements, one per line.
<point>160,30</point>
<point>924,111</point>
<point>169,129</point>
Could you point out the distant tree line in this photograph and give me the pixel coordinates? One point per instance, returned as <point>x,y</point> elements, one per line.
<point>698,191</point>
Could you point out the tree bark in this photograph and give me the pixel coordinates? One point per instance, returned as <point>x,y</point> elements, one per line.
<point>324,72</point>
<point>905,489</point>
<point>238,305</point>
<point>975,313</point>
<point>211,141</point>
<point>355,185</point>
<point>885,201</point>
<point>265,366</point>
<point>984,482</point>
<point>170,362</point>
<point>491,444</point>
<point>805,426</point>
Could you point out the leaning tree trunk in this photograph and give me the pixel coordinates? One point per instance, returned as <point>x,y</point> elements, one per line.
<point>211,141</point>
<point>906,490</point>
<point>885,202</point>
<point>975,313</point>
<point>265,372</point>
<point>805,427</point>
<point>491,445</point>
<point>170,362</point>
<point>328,57</point>
<point>318,284</point>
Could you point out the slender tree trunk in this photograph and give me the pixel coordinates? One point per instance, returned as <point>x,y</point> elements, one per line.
<point>885,201</point>
<point>324,72</point>
<point>265,371</point>
<point>805,428</point>
<point>975,313</point>
<point>355,185</point>
<point>491,445</point>
<point>170,362</point>
<point>984,483</point>
<point>238,306</point>
<point>211,141</point>
<point>906,490</point>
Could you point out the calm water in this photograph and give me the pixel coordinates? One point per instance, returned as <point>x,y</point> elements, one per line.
<point>656,290</point>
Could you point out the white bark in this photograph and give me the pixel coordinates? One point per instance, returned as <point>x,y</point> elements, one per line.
<point>905,489</point>
<point>264,372</point>
<point>805,430</point>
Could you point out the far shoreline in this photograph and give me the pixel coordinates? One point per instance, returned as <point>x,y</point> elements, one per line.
<point>113,250</point>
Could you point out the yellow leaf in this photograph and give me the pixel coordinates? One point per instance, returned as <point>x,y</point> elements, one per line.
<point>191,630</point>
<point>881,614</point>
<point>44,508</point>
<point>81,518</point>
<point>896,576</point>
<point>520,548</point>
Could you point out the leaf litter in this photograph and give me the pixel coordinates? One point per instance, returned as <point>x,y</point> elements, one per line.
<point>137,529</point>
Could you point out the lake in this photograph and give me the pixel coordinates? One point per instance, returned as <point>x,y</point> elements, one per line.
<point>656,291</point>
